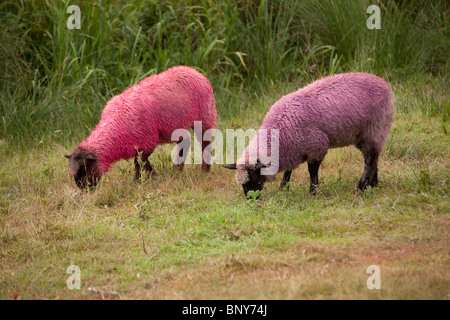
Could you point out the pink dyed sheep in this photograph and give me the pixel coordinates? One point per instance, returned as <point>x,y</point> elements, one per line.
<point>335,111</point>
<point>142,117</point>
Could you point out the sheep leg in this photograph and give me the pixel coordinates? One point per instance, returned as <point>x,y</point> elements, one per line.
<point>148,167</point>
<point>313,168</point>
<point>370,173</point>
<point>206,163</point>
<point>181,155</point>
<point>286,179</point>
<point>137,167</point>
<point>181,151</point>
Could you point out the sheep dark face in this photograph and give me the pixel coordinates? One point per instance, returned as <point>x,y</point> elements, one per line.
<point>249,177</point>
<point>83,166</point>
<point>256,181</point>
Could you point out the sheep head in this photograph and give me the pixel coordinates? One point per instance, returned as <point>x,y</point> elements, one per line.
<point>249,176</point>
<point>84,167</point>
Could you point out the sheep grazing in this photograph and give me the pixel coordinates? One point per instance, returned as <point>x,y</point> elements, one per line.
<point>142,117</point>
<point>335,111</point>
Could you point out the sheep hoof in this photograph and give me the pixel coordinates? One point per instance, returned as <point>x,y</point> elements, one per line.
<point>178,167</point>
<point>363,184</point>
<point>284,186</point>
<point>149,174</point>
<point>313,190</point>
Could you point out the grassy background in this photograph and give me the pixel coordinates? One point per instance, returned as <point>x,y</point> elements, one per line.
<point>192,235</point>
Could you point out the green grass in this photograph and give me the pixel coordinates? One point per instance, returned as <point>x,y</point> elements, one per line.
<point>192,235</point>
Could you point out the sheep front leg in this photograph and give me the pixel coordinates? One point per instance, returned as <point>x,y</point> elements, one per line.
<point>286,179</point>
<point>137,167</point>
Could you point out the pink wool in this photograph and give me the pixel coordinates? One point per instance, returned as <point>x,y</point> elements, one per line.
<point>335,111</point>
<point>146,114</point>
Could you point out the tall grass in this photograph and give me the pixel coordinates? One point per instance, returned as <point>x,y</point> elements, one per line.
<point>55,81</point>
<point>414,36</point>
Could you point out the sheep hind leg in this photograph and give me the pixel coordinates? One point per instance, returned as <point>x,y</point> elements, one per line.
<point>286,179</point>
<point>370,173</point>
<point>206,154</point>
<point>181,156</point>
<point>206,163</point>
<point>313,168</point>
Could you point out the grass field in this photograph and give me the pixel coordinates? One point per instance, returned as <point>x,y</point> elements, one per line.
<point>192,235</point>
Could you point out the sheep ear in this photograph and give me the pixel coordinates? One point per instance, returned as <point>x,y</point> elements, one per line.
<point>67,156</point>
<point>230,166</point>
<point>90,157</point>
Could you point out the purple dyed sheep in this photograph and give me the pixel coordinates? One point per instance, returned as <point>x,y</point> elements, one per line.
<point>335,111</point>
<point>142,117</point>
